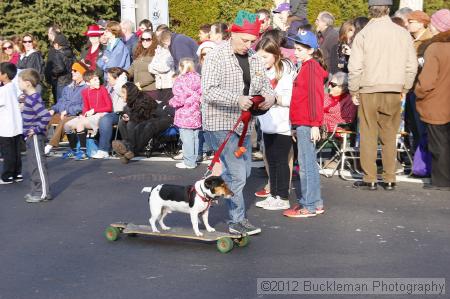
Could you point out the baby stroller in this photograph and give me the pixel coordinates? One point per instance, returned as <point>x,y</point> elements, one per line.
<point>168,143</point>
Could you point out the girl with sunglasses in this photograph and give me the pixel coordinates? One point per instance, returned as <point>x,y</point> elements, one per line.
<point>9,52</point>
<point>143,56</point>
<point>30,57</point>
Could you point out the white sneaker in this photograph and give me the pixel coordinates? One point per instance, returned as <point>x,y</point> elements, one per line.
<point>265,202</point>
<point>184,166</point>
<point>277,204</point>
<point>100,155</point>
<point>178,157</point>
<point>47,149</point>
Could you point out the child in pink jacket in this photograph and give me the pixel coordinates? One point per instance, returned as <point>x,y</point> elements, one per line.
<point>186,101</point>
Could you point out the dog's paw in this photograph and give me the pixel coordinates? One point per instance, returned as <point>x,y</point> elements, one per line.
<point>199,234</point>
<point>155,231</point>
<point>165,227</point>
<point>211,229</point>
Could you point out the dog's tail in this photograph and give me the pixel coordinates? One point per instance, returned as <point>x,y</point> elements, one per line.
<point>147,189</point>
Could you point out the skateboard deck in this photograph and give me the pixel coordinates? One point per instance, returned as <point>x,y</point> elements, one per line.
<point>225,241</point>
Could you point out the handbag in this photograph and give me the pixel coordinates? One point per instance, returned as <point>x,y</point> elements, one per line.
<point>422,159</point>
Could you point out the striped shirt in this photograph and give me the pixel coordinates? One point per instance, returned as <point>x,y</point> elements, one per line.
<point>35,116</point>
<point>223,83</point>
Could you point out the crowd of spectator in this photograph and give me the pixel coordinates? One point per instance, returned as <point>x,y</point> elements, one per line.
<point>376,71</point>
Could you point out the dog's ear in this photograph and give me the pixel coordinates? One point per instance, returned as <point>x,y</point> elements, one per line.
<point>212,182</point>
<point>208,182</point>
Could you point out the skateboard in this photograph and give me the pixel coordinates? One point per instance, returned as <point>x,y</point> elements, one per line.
<point>224,241</point>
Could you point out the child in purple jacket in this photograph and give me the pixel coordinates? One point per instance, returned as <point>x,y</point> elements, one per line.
<point>186,100</point>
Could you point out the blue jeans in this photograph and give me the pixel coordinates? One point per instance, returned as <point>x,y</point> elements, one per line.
<point>105,127</point>
<point>189,137</point>
<point>203,144</point>
<point>309,182</point>
<point>235,171</point>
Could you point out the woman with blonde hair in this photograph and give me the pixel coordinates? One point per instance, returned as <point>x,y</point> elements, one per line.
<point>163,67</point>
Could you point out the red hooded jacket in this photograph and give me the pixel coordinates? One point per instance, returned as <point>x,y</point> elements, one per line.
<point>308,95</point>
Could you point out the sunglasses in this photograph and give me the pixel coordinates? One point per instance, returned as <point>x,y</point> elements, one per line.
<point>8,47</point>
<point>146,39</point>
<point>332,84</point>
<point>27,41</point>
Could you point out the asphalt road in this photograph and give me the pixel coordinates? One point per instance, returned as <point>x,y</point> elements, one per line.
<point>57,249</point>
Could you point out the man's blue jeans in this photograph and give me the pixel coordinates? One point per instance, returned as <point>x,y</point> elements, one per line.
<point>190,140</point>
<point>309,183</point>
<point>235,171</point>
<point>106,130</point>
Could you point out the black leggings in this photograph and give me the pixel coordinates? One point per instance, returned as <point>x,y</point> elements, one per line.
<point>277,147</point>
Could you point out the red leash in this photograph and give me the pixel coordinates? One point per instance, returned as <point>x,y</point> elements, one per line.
<point>245,118</point>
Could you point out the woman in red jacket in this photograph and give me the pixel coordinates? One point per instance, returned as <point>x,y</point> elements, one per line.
<point>306,114</point>
<point>96,103</point>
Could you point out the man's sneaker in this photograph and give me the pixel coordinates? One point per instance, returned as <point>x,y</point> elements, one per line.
<point>262,193</point>
<point>251,229</point>
<point>298,213</point>
<point>35,198</point>
<point>9,180</point>
<point>70,154</point>
<point>243,228</point>
<point>80,156</point>
<point>277,204</point>
<point>100,155</point>
<point>184,166</point>
<point>264,203</point>
<point>178,157</point>
<point>18,178</point>
<point>48,149</point>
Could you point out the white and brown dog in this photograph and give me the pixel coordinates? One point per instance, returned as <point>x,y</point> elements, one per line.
<point>193,200</point>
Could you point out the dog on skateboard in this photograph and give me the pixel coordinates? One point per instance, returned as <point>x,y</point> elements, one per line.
<point>193,200</point>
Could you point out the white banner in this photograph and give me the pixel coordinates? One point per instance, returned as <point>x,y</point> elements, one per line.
<point>128,11</point>
<point>158,12</point>
<point>413,4</point>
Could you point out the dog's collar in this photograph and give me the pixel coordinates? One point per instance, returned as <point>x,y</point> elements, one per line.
<point>203,196</point>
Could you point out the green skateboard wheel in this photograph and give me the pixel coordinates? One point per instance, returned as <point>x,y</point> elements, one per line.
<point>112,233</point>
<point>242,242</point>
<point>224,244</point>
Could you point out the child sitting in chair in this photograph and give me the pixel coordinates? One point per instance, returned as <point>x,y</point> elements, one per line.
<point>96,103</point>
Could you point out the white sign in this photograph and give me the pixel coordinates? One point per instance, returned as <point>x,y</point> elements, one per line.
<point>128,11</point>
<point>158,12</point>
<point>413,4</point>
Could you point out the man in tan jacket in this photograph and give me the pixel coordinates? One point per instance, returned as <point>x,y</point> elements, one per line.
<point>382,69</point>
<point>433,99</point>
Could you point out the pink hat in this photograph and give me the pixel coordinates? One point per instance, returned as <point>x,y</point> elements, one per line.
<point>94,30</point>
<point>441,20</point>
